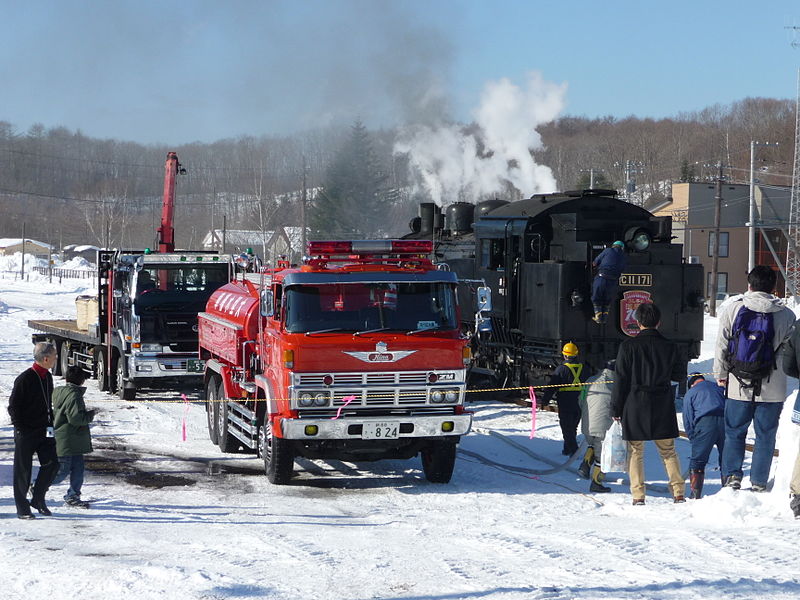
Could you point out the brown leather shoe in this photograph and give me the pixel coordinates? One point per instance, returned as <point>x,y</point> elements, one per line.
<point>679,499</point>
<point>638,501</point>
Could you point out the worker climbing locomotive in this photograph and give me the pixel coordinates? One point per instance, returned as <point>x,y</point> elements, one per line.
<point>355,355</point>
<point>538,255</point>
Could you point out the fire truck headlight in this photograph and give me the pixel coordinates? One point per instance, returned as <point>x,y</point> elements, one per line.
<point>321,400</point>
<point>437,396</point>
<point>306,399</point>
<point>451,396</point>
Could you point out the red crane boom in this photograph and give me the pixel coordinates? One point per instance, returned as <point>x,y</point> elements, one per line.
<point>166,232</point>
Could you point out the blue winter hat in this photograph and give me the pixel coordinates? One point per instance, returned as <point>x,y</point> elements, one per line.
<point>693,377</point>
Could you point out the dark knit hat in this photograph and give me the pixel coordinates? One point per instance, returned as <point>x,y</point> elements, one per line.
<point>692,378</point>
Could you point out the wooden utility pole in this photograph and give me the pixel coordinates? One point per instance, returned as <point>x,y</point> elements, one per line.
<point>22,269</point>
<point>715,258</point>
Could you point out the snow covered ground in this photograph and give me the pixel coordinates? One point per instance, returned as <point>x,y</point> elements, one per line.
<point>179,519</point>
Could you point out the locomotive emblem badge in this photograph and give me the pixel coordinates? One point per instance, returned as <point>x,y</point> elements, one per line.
<point>381,354</point>
<point>627,306</point>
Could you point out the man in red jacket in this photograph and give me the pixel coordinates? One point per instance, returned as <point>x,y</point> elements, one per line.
<point>31,410</point>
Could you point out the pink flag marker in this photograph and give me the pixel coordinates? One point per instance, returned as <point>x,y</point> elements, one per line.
<point>533,412</point>
<point>185,414</point>
<point>347,400</point>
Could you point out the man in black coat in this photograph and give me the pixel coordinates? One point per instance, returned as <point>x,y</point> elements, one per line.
<point>643,400</point>
<point>31,410</point>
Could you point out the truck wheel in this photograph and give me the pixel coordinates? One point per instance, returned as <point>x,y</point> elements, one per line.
<point>438,461</point>
<point>124,393</point>
<point>212,409</point>
<point>225,441</point>
<point>103,382</point>
<point>63,359</point>
<point>277,454</point>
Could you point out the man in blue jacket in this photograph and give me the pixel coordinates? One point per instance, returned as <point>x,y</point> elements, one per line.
<point>704,424</point>
<point>610,263</point>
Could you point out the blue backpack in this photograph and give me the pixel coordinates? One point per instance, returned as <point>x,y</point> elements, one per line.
<point>750,355</point>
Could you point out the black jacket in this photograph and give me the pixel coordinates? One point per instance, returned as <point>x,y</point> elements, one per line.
<point>642,394</point>
<point>30,403</point>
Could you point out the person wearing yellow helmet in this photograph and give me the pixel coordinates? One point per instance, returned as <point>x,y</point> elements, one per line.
<point>609,263</point>
<point>565,386</point>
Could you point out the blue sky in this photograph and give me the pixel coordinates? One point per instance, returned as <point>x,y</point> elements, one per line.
<point>175,72</point>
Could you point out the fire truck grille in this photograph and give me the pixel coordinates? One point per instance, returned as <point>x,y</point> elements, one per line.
<point>376,397</point>
<point>359,379</point>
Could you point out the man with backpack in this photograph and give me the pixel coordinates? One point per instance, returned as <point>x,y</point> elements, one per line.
<point>752,330</point>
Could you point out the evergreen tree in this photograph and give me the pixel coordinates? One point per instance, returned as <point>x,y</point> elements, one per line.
<point>687,172</point>
<point>353,200</point>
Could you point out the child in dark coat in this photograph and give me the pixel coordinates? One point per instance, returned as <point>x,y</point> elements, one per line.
<point>73,439</point>
<point>704,423</point>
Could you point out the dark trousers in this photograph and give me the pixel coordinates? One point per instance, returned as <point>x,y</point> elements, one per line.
<point>26,444</point>
<point>569,415</point>
<point>603,291</point>
<point>738,416</point>
<point>709,431</point>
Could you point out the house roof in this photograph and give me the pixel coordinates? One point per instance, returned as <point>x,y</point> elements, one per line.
<point>6,242</point>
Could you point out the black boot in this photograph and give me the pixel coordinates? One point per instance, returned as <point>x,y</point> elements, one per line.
<point>597,481</point>
<point>586,464</point>
<point>41,507</point>
<point>696,478</point>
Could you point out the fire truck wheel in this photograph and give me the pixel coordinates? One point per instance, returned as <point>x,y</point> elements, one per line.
<point>225,441</point>
<point>212,409</point>
<point>438,461</point>
<point>103,383</point>
<point>277,454</point>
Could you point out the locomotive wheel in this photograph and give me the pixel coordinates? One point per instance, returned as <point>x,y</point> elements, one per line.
<point>124,393</point>
<point>438,461</point>
<point>212,409</point>
<point>277,454</point>
<point>225,441</point>
<point>63,359</point>
<point>103,380</point>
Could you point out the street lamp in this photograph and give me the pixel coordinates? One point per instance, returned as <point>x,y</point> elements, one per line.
<point>751,256</point>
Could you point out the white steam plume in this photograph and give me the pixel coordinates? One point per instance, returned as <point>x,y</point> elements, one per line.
<point>457,163</point>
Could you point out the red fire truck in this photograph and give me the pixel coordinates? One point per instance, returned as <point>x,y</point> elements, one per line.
<point>356,355</point>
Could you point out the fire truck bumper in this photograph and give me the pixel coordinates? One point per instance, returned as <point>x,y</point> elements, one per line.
<point>377,428</point>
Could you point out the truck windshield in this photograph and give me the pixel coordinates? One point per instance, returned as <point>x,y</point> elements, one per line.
<point>367,306</point>
<point>177,287</point>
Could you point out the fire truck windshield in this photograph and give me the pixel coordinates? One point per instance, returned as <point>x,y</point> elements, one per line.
<point>363,307</point>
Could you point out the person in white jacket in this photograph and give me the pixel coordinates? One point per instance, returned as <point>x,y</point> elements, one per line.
<point>752,401</point>
<point>595,422</point>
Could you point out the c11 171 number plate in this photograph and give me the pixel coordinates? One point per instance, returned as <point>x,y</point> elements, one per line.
<point>383,430</point>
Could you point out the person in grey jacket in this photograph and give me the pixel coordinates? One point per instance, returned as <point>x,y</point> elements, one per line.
<point>73,439</point>
<point>596,419</point>
<point>747,404</point>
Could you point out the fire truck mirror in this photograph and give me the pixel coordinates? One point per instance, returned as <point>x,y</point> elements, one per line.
<point>267,303</point>
<point>484,297</point>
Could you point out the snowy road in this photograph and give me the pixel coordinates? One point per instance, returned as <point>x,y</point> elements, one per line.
<point>179,519</point>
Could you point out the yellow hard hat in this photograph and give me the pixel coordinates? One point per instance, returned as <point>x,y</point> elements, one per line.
<point>569,349</point>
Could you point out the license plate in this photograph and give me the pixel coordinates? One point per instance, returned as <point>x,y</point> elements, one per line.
<point>384,430</point>
<point>194,365</point>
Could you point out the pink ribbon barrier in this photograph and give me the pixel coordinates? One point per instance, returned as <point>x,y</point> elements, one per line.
<point>185,414</point>
<point>533,412</point>
<point>347,400</point>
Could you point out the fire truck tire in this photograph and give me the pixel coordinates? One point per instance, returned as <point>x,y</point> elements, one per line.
<point>438,461</point>
<point>277,454</point>
<point>124,393</point>
<point>63,359</point>
<point>103,383</point>
<point>212,408</point>
<point>225,441</point>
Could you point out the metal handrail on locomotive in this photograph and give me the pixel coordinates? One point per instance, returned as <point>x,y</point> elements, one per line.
<point>536,254</point>
<point>357,354</point>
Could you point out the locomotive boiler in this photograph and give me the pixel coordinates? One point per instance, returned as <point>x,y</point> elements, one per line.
<point>536,255</point>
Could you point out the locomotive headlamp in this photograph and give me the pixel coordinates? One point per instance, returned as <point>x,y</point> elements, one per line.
<point>637,239</point>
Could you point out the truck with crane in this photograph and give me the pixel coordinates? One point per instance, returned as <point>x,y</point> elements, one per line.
<point>143,332</point>
<point>357,355</point>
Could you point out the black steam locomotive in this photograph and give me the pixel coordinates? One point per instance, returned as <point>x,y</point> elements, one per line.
<point>536,255</point>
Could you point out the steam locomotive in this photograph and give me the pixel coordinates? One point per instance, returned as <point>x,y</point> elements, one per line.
<point>536,255</point>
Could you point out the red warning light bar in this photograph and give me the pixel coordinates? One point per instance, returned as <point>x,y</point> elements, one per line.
<point>362,247</point>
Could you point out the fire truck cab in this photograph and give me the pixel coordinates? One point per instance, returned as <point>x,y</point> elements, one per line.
<point>356,355</point>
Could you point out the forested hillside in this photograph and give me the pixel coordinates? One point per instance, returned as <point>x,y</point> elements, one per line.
<point>68,188</point>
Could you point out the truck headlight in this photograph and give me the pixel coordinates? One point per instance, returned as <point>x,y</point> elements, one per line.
<point>151,348</point>
<point>306,399</point>
<point>451,396</point>
<point>321,399</point>
<point>437,396</point>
